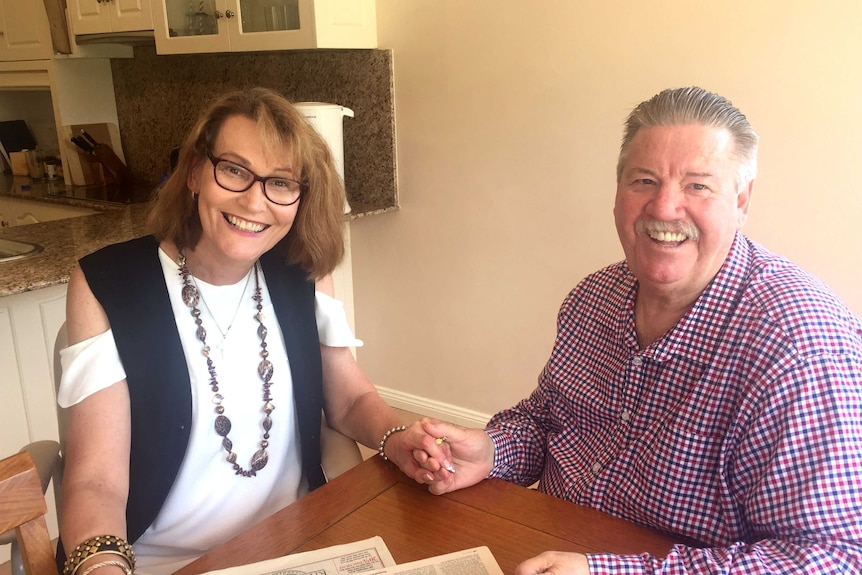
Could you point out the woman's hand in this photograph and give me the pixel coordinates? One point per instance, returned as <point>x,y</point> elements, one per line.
<point>444,456</point>
<point>555,563</point>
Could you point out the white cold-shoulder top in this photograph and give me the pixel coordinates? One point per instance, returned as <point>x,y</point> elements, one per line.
<point>208,503</point>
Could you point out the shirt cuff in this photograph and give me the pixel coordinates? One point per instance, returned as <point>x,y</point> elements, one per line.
<point>500,439</point>
<point>610,563</point>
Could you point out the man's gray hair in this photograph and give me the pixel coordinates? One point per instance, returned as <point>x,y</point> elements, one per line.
<point>693,105</point>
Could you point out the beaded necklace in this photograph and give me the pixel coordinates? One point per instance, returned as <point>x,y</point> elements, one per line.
<point>191,297</point>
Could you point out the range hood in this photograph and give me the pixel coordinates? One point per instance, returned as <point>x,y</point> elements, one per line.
<point>130,38</point>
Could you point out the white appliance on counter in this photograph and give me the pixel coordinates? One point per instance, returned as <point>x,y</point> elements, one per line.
<point>328,120</point>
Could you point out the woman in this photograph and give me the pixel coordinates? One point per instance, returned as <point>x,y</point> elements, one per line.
<point>200,357</point>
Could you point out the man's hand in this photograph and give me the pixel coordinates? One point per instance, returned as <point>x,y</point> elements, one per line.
<point>446,457</point>
<point>555,563</point>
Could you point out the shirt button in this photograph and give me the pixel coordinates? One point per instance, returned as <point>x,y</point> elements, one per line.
<point>626,415</point>
<point>596,467</point>
<point>636,360</point>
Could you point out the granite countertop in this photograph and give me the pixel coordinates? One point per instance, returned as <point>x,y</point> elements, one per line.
<point>65,241</point>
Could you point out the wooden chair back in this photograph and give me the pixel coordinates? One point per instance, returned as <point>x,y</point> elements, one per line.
<point>23,508</point>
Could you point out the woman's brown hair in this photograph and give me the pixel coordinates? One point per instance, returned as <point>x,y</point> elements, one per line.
<point>315,242</point>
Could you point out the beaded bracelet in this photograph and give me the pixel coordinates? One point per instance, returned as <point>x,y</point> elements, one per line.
<point>101,544</point>
<point>97,554</point>
<point>119,564</point>
<point>384,438</point>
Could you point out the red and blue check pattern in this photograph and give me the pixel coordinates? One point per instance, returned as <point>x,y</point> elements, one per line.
<point>740,428</point>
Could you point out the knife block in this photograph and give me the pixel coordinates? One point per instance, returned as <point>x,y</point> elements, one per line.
<point>113,165</point>
<point>85,169</point>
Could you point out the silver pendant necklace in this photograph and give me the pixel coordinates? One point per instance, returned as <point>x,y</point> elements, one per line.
<point>191,297</point>
<point>225,331</point>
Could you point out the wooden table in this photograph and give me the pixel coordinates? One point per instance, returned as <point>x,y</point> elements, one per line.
<point>375,498</point>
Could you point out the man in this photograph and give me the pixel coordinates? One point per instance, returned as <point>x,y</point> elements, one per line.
<point>704,386</point>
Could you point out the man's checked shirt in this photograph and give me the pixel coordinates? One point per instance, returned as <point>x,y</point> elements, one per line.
<point>740,428</point>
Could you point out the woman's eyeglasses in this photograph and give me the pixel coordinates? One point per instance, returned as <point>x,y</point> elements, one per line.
<point>235,178</point>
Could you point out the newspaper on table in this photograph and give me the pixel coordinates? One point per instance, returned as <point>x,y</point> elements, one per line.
<point>370,557</point>
<point>360,557</point>
<point>475,561</point>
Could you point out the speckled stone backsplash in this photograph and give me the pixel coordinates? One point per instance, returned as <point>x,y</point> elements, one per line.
<point>160,97</point>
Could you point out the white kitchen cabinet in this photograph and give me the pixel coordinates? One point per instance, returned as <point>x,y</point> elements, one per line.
<point>24,31</point>
<point>110,16</point>
<point>28,327</point>
<point>194,26</point>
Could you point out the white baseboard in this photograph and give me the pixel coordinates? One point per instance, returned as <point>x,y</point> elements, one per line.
<point>431,408</point>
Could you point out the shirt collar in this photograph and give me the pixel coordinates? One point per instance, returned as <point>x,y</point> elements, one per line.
<point>698,334</point>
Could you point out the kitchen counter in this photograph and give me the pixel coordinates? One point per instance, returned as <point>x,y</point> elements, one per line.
<point>65,241</point>
<point>54,191</point>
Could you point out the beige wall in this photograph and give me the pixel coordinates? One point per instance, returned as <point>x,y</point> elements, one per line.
<point>508,120</point>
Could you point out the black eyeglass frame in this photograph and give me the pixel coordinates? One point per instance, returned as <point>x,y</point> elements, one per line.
<point>303,186</point>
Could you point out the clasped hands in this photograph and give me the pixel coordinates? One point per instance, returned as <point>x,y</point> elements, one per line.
<point>448,457</point>
<point>443,456</point>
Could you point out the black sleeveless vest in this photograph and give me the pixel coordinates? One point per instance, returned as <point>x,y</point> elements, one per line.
<point>128,282</point>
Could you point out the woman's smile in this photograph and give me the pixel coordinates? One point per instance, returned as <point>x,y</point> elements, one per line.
<point>244,225</point>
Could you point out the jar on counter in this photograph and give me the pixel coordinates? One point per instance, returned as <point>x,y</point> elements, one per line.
<point>53,170</point>
<point>35,163</point>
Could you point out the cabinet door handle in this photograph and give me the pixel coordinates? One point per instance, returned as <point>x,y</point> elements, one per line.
<point>218,15</point>
<point>229,13</point>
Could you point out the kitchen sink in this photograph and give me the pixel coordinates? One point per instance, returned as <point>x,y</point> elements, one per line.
<point>14,250</point>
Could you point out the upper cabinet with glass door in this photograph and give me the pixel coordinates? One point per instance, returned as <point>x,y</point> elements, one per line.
<point>193,26</point>
<point>105,16</point>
